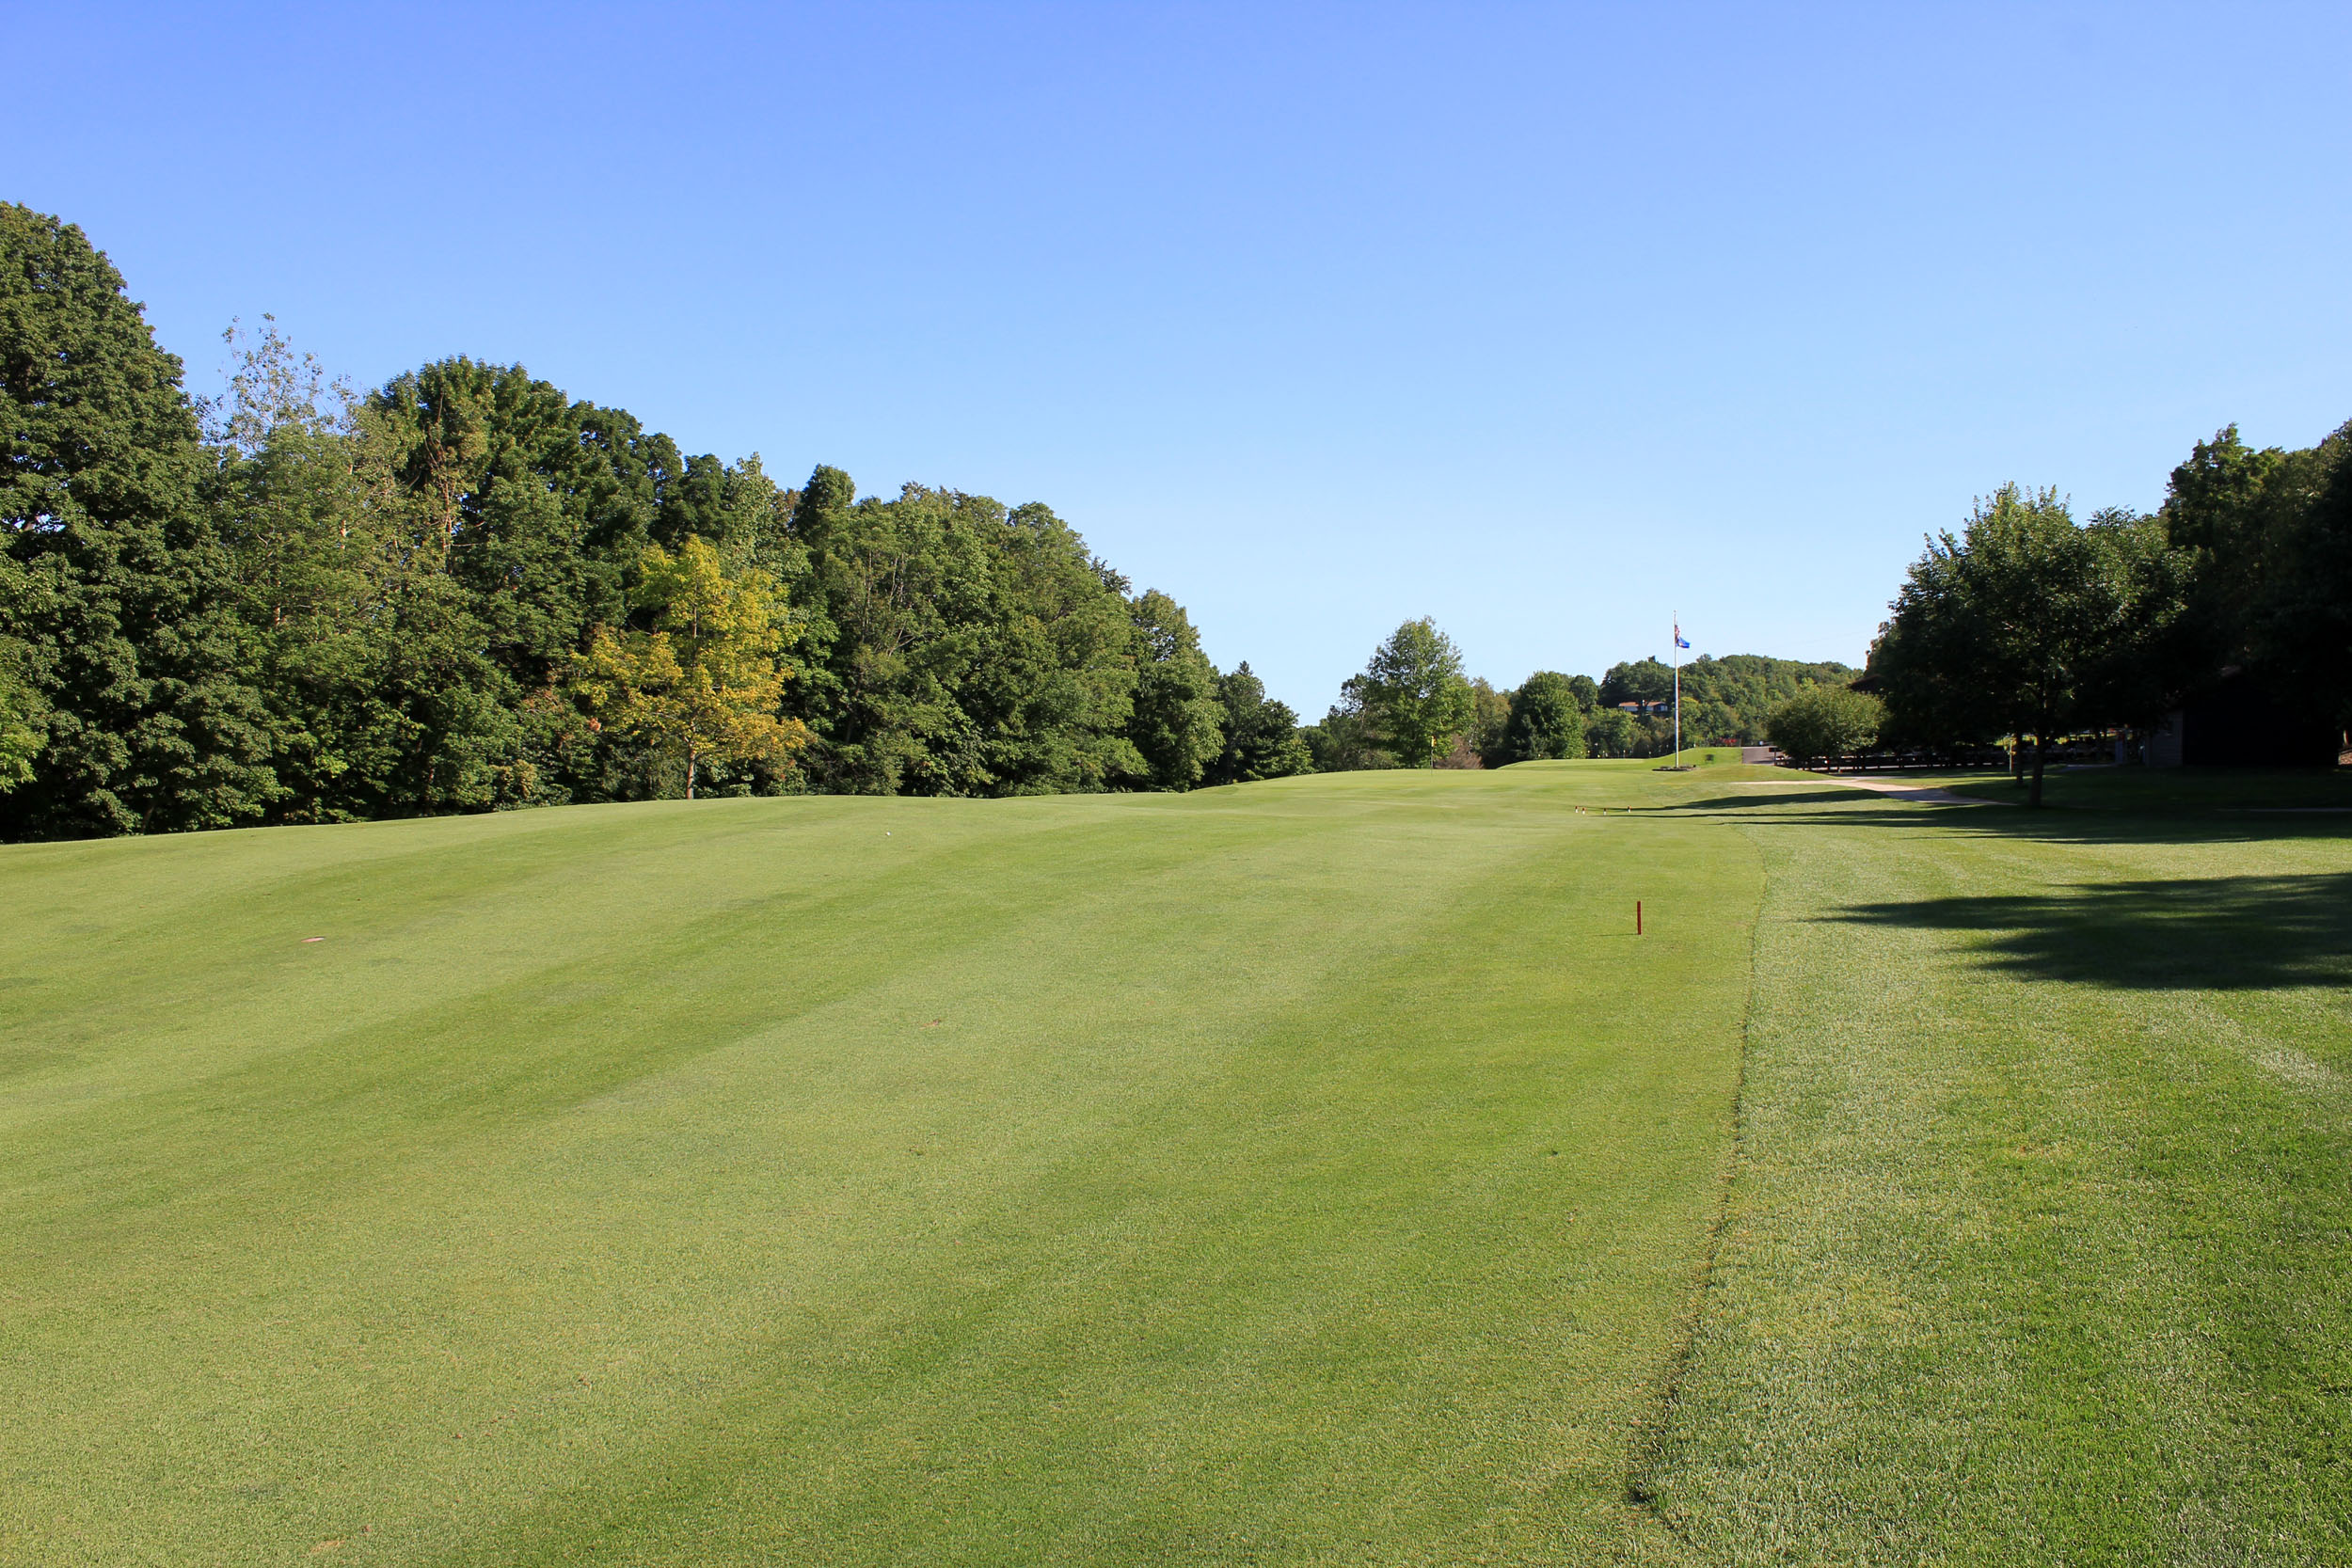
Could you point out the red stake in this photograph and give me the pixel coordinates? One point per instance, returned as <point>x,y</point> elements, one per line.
<point>1637,917</point>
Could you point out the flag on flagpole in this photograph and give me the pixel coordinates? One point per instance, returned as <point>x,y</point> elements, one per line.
<point>1680,645</point>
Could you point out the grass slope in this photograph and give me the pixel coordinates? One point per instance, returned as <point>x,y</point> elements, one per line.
<point>1316,1171</point>
<point>2039,1249</point>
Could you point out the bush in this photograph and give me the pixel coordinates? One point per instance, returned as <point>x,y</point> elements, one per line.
<point>1826,721</point>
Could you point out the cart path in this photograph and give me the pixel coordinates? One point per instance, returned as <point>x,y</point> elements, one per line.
<point>1901,791</point>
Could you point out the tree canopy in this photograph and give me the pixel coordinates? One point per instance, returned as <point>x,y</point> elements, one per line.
<point>1826,722</point>
<point>2029,625</point>
<point>1415,693</point>
<point>123,698</point>
<point>1546,720</point>
<point>463,591</point>
<point>701,682</point>
<point>1261,737</point>
<point>2267,540</point>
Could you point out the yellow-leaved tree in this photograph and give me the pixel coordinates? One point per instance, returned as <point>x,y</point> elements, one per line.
<point>703,682</point>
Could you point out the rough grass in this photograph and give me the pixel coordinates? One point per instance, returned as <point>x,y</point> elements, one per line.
<point>1308,1172</point>
<point>2168,789</point>
<point>2038,1249</point>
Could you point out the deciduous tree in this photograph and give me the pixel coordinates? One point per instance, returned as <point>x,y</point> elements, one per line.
<point>1490,723</point>
<point>2030,623</point>
<point>2298,622</point>
<point>1610,732</point>
<point>1415,693</point>
<point>702,680</point>
<point>1547,720</point>
<point>1826,722</point>
<point>122,627</point>
<point>1178,727</point>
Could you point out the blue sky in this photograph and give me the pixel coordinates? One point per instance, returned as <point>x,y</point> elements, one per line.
<point>1550,321</point>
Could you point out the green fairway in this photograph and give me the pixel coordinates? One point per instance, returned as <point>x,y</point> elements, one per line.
<point>1318,1171</point>
<point>1314,1171</point>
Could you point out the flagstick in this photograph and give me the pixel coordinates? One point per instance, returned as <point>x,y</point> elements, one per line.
<point>1678,652</point>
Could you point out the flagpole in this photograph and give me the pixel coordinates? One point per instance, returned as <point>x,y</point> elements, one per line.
<point>1677,689</point>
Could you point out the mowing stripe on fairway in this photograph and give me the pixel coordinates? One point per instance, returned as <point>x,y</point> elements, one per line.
<point>1306,1172</point>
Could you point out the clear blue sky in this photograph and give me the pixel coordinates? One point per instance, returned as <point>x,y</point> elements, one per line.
<point>1546,321</point>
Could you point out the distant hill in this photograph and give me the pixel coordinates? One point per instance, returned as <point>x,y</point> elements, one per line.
<point>1722,699</point>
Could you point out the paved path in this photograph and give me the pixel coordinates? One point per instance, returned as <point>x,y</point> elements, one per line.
<point>1901,791</point>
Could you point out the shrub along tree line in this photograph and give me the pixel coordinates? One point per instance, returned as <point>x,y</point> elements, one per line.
<point>466,589</point>
<point>2030,625</point>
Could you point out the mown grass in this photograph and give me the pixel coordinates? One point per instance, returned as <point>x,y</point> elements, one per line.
<point>1703,756</point>
<point>1316,1171</point>
<point>1312,1172</point>
<point>2167,789</point>
<point>2038,1249</point>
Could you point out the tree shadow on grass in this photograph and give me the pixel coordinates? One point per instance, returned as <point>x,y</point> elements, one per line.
<point>1850,808</point>
<point>2220,933</point>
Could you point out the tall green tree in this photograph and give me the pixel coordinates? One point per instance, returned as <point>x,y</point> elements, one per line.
<point>2028,616</point>
<point>1489,721</point>
<point>1610,732</point>
<point>1261,738</point>
<point>1054,685</point>
<point>385,643</point>
<point>1415,693</point>
<point>905,587</point>
<point>1647,680</point>
<point>2232,507</point>
<point>960,647</point>
<point>309,545</point>
<point>1347,740</point>
<point>2264,532</point>
<point>1178,725</point>
<point>121,625</point>
<point>1546,720</point>
<point>2301,627</point>
<point>1928,661</point>
<point>23,713</point>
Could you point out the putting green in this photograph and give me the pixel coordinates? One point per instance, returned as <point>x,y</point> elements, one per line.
<point>1314,1171</point>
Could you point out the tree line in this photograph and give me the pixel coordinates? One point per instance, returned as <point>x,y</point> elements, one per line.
<point>2026,624</point>
<point>466,591</point>
<point>1412,706</point>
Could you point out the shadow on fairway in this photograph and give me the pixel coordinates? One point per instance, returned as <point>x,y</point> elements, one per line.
<point>1850,808</point>
<point>2224,933</point>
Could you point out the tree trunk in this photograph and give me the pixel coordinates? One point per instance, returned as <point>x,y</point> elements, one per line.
<point>2033,795</point>
<point>689,773</point>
